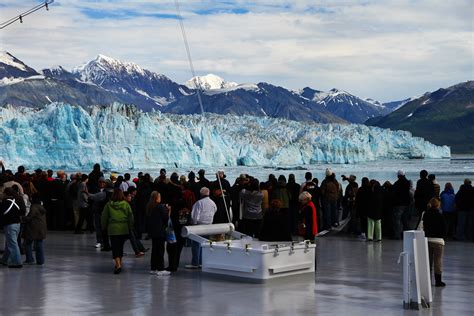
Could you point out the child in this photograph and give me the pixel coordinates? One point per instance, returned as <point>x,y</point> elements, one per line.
<point>35,231</point>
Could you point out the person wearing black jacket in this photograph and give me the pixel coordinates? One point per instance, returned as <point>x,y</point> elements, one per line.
<point>12,208</point>
<point>157,219</point>
<point>374,212</point>
<point>363,204</point>
<point>424,192</point>
<point>401,201</point>
<point>465,211</point>
<point>435,230</point>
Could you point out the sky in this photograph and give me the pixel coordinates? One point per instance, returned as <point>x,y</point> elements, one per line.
<point>386,49</point>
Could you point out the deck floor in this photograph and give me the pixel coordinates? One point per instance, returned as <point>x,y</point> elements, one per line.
<point>352,278</point>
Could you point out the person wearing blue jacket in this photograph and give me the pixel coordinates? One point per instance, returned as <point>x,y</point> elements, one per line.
<point>448,207</point>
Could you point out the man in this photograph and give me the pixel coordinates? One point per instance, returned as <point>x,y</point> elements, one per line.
<point>349,201</point>
<point>401,201</point>
<point>202,214</point>
<point>127,183</point>
<point>203,182</point>
<point>330,195</point>
<point>57,189</point>
<point>465,210</point>
<point>424,192</point>
<point>11,209</point>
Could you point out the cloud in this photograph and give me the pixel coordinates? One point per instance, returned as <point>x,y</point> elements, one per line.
<point>381,49</point>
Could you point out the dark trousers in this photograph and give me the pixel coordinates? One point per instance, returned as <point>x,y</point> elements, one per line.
<point>135,242</point>
<point>450,219</point>
<point>84,214</point>
<point>117,242</point>
<point>157,254</point>
<point>251,227</point>
<point>174,252</point>
<point>59,214</point>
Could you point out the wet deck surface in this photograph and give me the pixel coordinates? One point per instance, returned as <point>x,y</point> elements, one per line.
<point>352,278</point>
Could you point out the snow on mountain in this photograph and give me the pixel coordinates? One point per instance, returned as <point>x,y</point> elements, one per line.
<point>11,67</point>
<point>130,79</point>
<point>245,86</point>
<point>119,136</point>
<point>209,82</point>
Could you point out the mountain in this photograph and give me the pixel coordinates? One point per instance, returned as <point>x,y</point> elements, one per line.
<point>122,137</point>
<point>13,68</point>
<point>395,105</point>
<point>261,99</point>
<point>345,105</point>
<point>445,116</point>
<point>131,80</point>
<point>209,82</point>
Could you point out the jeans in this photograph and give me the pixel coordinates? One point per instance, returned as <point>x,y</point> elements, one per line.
<point>196,252</point>
<point>39,251</point>
<point>12,255</point>
<point>398,211</point>
<point>374,225</point>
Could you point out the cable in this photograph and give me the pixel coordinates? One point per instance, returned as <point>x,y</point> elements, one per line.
<point>197,83</point>
<point>22,15</point>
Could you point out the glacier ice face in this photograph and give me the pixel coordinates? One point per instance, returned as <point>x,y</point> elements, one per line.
<point>122,137</point>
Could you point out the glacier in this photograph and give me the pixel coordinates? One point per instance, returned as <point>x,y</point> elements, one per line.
<point>123,137</point>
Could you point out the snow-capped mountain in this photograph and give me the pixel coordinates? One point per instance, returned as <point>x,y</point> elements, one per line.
<point>58,72</point>
<point>209,82</point>
<point>261,99</point>
<point>129,78</point>
<point>118,136</point>
<point>345,105</point>
<point>13,70</point>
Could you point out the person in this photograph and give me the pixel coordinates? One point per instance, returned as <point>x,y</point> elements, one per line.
<point>294,190</point>
<point>374,212</point>
<point>202,214</point>
<point>307,216</point>
<point>203,182</point>
<point>435,230</point>
<point>401,201</point>
<point>251,200</point>
<point>330,196</point>
<point>363,205</point>
<point>12,208</point>
<point>98,200</point>
<point>465,210</point>
<point>94,176</point>
<point>348,202</point>
<point>137,245</point>
<point>35,231</point>
<point>436,186</point>
<point>274,224</point>
<point>448,206</point>
<point>117,218</point>
<point>83,203</point>
<point>157,219</point>
<point>127,183</point>
<point>57,191</point>
<point>424,192</point>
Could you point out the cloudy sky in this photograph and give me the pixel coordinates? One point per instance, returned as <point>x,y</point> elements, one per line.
<point>387,50</point>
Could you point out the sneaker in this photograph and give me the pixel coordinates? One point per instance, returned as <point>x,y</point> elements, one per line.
<point>139,255</point>
<point>153,272</point>
<point>191,266</point>
<point>163,273</point>
<point>98,245</point>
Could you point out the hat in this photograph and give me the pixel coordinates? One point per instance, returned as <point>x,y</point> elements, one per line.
<point>400,173</point>
<point>329,172</point>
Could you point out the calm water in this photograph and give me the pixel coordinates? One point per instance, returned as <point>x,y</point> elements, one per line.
<point>446,170</point>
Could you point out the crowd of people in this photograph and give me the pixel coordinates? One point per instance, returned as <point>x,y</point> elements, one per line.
<point>120,208</point>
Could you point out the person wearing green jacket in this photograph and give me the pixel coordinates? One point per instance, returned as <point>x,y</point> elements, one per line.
<point>117,218</point>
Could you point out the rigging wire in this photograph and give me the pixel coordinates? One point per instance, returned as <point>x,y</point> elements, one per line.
<point>198,85</point>
<point>26,13</point>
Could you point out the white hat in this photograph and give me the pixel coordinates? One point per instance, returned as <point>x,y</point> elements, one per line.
<point>400,173</point>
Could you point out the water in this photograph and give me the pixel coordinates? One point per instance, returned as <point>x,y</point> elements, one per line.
<point>446,170</point>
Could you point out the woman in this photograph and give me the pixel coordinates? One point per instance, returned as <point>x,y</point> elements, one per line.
<point>157,219</point>
<point>251,203</point>
<point>435,230</point>
<point>448,206</point>
<point>117,218</point>
<point>307,217</point>
<point>35,231</point>
<point>374,212</point>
